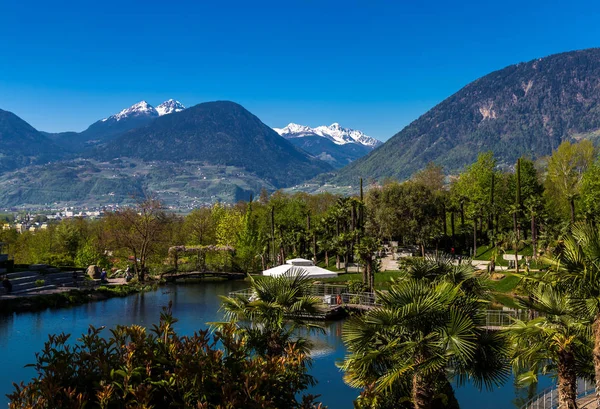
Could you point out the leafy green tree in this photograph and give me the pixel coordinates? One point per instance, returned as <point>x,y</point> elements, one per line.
<point>249,243</point>
<point>590,192</point>
<point>200,227</point>
<point>408,212</point>
<point>229,224</point>
<point>424,332</point>
<point>566,168</point>
<point>140,232</point>
<point>473,190</point>
<point>89,254</point>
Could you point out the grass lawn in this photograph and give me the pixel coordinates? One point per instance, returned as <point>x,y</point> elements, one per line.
<point>382,279</point>
<point>506,285</point>
<point>505,300</point>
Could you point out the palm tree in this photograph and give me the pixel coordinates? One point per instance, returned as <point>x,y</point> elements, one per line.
<point>277,307</point>
<point>554,342</point>
<point>577,270</point>
<point>511,240</point>
<point>442,268</point>
<point>423,332</point>
<point>365,252</point>
<point>534,207</point>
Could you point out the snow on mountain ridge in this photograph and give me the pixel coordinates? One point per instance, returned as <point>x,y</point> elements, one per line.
<point>143,108</point>
<point>170,106</point>
<point>334,132</point>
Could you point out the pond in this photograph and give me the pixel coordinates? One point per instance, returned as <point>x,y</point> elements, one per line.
<point>21,335</point>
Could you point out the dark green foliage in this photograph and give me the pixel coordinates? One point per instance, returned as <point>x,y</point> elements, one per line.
<point>523,109</point>
<point>160,369</point>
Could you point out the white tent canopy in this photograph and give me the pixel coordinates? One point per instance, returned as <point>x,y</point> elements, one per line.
<point>300,266</point>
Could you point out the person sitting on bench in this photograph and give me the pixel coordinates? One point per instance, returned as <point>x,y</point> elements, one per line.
<point>7,284</point>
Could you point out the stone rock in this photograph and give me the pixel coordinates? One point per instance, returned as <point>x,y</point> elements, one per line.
<point>93,272</point>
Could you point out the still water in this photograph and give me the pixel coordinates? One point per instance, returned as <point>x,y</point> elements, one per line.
<point>21,335</point>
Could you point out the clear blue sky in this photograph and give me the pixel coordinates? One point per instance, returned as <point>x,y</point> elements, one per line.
<point>370,65</point>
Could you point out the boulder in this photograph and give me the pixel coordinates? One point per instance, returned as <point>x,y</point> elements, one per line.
<point>94,272</point>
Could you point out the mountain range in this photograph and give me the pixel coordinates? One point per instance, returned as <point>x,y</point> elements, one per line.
<point>524,109</point>
<point>22,145</point>
<point>216,133</point>
<point>220,151</point>
<point>333,144</point>
<point>188,157</point>
<point>108,128</point>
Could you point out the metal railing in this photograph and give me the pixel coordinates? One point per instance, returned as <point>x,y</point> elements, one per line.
<point>548,398</point>
<point>329,296</point>
<point>504,318</point>
<point>332,296</point>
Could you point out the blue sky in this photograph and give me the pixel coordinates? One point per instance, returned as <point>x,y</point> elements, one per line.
<point>370,65</point>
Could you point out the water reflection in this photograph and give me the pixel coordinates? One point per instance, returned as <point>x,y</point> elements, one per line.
<point>21,335</point>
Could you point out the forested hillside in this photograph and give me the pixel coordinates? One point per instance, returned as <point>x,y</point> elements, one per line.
<point>524,109</point>
<point>217,133</point>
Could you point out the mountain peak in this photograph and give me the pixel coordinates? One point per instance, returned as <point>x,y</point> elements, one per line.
<point>334,132</point>
<point>141,108</point>
<point>144,109</point>
<point>169,106</point>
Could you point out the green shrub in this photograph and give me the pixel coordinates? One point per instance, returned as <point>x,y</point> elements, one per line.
<point>159,369</point>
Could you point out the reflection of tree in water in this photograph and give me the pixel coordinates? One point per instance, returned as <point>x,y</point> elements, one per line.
<point>523,395</point>
<point>7,323</point>
<point>138,306</point>
<point>38,322</point>
<point>324,342</point>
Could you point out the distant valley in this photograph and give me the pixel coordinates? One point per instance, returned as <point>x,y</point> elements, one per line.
<point>216,151</point>
<point>219,151</point>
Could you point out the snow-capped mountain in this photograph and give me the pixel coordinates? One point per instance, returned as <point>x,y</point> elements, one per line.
<point>144,109</point>
<point>334,132</point>
<point>168,107</point>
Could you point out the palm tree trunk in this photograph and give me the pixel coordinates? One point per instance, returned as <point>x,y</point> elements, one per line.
<point>422,392</point>
<point>474,238</point>
<point>596,356</point>
<point>533,237</point>
<point>326,259</point>
<point>572,205</point>
<point>444,220</point>
<point>567,381</point>
<point>370,278</point>
<point>517,258</point>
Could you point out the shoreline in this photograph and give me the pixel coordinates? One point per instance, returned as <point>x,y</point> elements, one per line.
<point>68,298</point>
<point>78,296</point>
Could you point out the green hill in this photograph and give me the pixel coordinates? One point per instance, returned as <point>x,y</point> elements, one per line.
<point>22,145</point>
<point>524,109</point>
<point>217,133</point>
